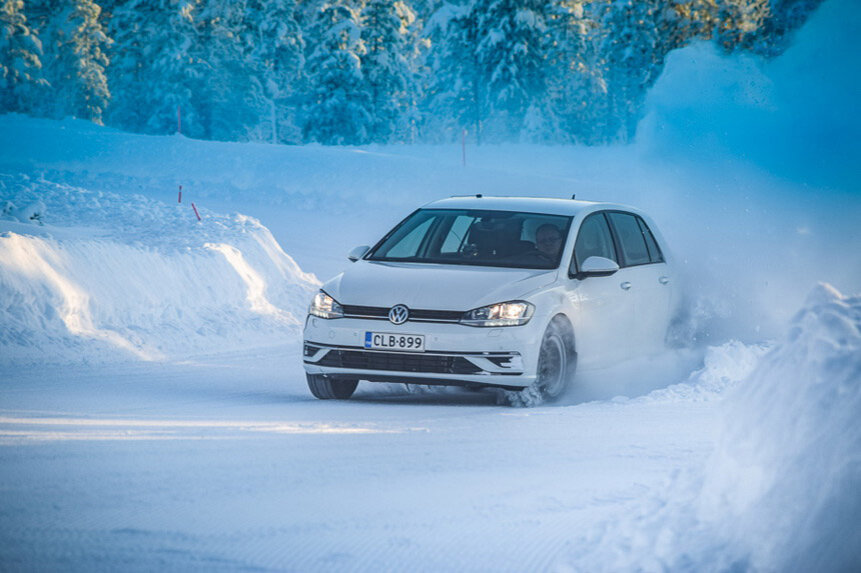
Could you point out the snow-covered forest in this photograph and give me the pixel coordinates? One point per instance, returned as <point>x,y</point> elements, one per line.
<point>154,410</point>
<point>365,71</point>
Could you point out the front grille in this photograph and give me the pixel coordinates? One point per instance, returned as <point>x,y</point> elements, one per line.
<point>446,315</point>
<point>416,315</point>
<point>399,362</point>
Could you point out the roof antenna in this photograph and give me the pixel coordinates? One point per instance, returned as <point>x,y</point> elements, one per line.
<point>574,196</point>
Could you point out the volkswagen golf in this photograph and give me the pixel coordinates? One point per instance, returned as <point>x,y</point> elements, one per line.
<point>511,293</point>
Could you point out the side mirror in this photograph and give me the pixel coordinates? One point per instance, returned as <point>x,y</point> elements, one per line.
<point>598,267</point>
<point>359,252</point>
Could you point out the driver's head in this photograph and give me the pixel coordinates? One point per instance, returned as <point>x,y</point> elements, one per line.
<point>548,240</point>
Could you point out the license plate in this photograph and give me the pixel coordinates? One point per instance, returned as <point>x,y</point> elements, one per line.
<point>397,342</point>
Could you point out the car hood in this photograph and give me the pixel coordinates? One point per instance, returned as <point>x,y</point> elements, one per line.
<point>431,286</point>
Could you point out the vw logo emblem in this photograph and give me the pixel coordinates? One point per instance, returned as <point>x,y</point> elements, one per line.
<point>399,314</point>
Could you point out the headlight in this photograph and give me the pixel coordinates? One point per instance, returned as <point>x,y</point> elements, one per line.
<point>514,313</point>
<point>325,306</point>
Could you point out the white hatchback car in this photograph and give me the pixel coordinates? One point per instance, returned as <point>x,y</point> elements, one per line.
<point>503,292</point>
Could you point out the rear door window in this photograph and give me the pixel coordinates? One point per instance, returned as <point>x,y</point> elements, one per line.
<point>631,238</point>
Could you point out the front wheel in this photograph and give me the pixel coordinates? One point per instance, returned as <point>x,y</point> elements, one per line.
<point>555,365</point>
<point>326,388</point>
<point>552,366</point>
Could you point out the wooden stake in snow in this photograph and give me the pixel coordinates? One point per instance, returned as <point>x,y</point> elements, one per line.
<point>463,146</point>
<point>180,194</point>
<point>195,210</point>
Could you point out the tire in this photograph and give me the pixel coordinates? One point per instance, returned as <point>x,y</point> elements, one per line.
<point>556,363</point>
<point>328,389</point>
<point>552,366</point>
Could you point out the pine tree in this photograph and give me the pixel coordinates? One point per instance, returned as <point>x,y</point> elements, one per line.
<point>337,112</point>
<point>389,68</point>
<point>739,22</point>
<point>777,30</point>
<point>153,75</point>
<point>274,51</point>
<point>20,67</point>
<point>456,99</point>
<point>76,60</point>
<point>511,55</point>
<point>574,76</point>
<point>172,75</point>
<point>227,97</point>
<point>633,55</point>
<point>130,69</point>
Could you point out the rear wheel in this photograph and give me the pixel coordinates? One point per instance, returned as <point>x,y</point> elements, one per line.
<point>326,388</point>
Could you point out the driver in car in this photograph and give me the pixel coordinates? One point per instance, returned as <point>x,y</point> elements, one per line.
<point>548,240</point>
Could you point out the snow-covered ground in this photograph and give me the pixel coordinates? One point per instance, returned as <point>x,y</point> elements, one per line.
<point>153,409</point>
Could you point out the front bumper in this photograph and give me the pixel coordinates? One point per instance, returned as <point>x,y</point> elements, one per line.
<point>454,354</point>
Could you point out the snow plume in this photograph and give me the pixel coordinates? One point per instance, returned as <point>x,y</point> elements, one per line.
<point>763,196</point>
<point>796,115</point>
<point>782,490</point>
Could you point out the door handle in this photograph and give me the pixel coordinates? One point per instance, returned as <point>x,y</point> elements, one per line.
<point>664,280</point>
<point>625,285</point>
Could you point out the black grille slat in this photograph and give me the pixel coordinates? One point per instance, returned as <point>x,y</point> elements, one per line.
<point>398,362</point>
<point>375,311</point>
<point>417,314</point>
<point>420,314</point>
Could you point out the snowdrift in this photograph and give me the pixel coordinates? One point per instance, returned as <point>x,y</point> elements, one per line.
<point>784,485</point>
<point>125,277</point>
<point>781,492</point>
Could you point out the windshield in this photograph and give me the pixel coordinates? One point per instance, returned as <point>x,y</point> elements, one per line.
<point>475,237</point>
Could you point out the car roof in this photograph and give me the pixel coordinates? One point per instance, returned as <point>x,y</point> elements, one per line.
<point>548,205</point>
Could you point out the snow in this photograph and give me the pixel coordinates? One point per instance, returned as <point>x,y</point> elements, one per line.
<point>153,409</point>
<point>780,489</point>
<point>89,289</point>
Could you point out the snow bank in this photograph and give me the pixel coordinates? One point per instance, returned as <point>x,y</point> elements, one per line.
<point>103,276</point>
<point>784,485</point>
<point>782,490</point>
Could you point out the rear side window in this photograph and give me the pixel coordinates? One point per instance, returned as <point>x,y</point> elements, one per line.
<point>655,254</point>
<point>594,240</point>
<point>631,238</point>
